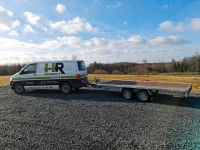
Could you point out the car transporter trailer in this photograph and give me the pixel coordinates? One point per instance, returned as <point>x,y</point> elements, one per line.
<point>143,90</point>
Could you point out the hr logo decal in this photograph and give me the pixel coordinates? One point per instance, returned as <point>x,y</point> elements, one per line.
<point>54,67</point>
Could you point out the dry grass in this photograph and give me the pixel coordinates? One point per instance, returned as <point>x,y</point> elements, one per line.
<point>4,80</point>
<point>194,79</point>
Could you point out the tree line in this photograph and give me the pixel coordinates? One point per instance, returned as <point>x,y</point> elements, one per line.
<point>186,65</point>
<point>10,69</point>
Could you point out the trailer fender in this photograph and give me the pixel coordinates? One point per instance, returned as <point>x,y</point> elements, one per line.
<point>121,89</point>
<point>135,90</point>
<point>150,92</point>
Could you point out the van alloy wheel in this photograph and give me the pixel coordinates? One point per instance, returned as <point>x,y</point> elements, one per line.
<point>19,89</point>
<point>66,88</point>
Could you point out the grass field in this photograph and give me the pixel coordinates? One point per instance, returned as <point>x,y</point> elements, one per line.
<point>194,79</point>
<point>4,80</point>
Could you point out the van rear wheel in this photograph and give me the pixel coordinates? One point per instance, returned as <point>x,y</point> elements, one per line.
<point>18,89</point>
<point>66,88</point>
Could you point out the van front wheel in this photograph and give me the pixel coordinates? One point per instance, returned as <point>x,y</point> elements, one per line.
<point>18,89</point>
<point>66,88</point>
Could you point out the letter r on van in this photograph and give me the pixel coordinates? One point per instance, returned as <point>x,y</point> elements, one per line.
<point>52,68</point>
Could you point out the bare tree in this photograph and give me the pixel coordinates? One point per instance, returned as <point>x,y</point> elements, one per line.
<point>197,61</point>
<point>145,65</point>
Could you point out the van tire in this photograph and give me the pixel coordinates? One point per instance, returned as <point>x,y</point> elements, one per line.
<point>66,88</point>
<point>18,88</point>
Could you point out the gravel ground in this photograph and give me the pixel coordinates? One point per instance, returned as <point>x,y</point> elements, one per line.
<point>96,120</point>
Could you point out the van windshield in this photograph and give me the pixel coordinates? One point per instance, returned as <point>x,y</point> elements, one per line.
<point>81,66</point>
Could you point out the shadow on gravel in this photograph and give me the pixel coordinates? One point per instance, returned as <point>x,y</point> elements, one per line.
<point>80,95</point>
<point>106,96</point>
<point>192,102</point>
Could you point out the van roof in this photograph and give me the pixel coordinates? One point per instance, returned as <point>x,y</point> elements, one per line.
<point>56,61</point>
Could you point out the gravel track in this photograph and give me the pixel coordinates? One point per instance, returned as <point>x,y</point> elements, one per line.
<point>89,119</point>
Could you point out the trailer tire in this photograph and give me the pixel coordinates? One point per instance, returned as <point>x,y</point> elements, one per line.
<point>66,88</point>
<point>127,94</point>
<point>18,88</point>
<point>143,95</point>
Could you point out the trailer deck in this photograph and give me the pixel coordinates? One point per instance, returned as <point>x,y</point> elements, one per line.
<point>172,88</point>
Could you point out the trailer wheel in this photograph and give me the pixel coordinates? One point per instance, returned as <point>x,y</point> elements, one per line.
<point>18,88</point>
<point>143,95</point>
<point>127,94</point>
<point>66,88</point>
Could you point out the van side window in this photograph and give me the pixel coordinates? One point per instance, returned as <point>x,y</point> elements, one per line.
<point>81,66</point>
<point>29,69</point>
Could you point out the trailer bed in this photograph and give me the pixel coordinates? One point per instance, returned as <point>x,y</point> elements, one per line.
<point>173,88</point>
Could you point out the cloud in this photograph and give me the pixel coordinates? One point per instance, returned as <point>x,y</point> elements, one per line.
<point>16,23</point>
<point>170,26</point>
<point>195,24</point>
<point>73,26</point>
<point>6,20</point>
<point>93,43</point>
<point>116,5</point>
<point>137,39</point>
<point>60,8</point>
<point>28,29</point>
<point>13,33</point>
<point>192,25</point>
<point>32,18</point>
<point>169,40</point>
<point>166,25</point>
<point>90,50</point>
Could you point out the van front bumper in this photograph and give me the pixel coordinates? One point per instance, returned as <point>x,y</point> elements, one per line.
<point>11,84</point>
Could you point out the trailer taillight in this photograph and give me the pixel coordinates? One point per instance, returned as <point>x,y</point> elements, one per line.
<point>78,77</point>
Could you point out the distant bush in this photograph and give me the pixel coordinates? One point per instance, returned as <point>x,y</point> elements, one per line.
<point>100,71</point>
<point>116,72</point>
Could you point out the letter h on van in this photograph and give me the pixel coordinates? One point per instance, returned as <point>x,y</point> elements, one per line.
<point>55,67</point>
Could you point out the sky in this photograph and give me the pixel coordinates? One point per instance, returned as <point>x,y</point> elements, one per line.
<point>104,31</point>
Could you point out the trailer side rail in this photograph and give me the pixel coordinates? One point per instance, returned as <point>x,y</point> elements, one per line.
<point>145,87</point>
